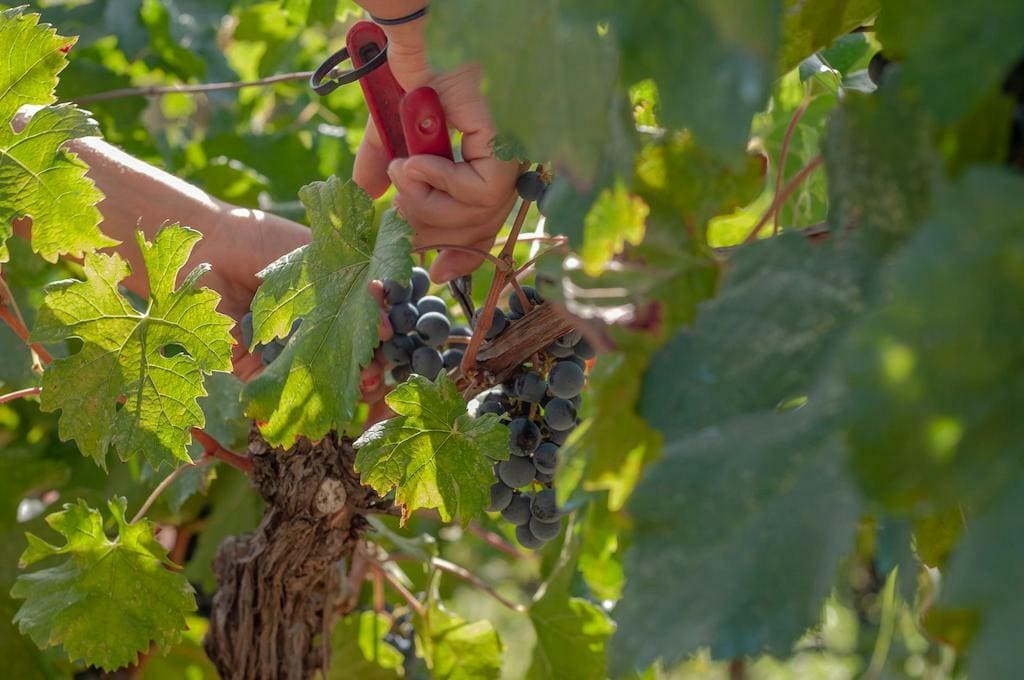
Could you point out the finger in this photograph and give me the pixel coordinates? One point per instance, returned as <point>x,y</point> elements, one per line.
<point>384,329</point>
<point>484,182</point>
<point>370,170</point>
<point>425,207</point>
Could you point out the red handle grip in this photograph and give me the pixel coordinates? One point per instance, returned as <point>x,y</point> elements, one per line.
<point>424,124</point>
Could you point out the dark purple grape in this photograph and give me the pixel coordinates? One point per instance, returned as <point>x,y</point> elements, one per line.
<point>584,350</point>
<point>401,373</point>
<point>433,328</point>
<point>399,349</point>
<point>877,67</point>
<point>246,328</point>
<point>545,506</point>
<point>559,436</point>
<point>271,351</point>
<point>527,539</point>
<point>420,282</point>
<point>431,303</point>
<point>546,457</point>
<point>451,358</point>
<point>530,186</point>
<point>566,380</point>
<point>490,407</point>
<point>403,317</point>
<point>515,305</point>
<point>545,531</point>
<point>523,437</point>
<point>569,339</point>
<point>560,414</point>
<point>426,361</point>
<point>462,332</point>
<point>529,387</point>
<point>516,471</point>
<point>498,323</point>
<point>559,352</point>
<point>501,496</point>
<point>395,292</point>
<point>518,510</point>
<point>544,477</point>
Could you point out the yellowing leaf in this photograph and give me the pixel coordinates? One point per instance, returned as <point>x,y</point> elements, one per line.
<point>617,218</point>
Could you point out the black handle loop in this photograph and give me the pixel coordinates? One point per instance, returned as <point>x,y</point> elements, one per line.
<point>326,79</point>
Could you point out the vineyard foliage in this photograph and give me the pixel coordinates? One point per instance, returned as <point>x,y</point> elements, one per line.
<point>800,451</point>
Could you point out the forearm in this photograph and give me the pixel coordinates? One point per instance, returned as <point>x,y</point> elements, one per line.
<point>139,195</point>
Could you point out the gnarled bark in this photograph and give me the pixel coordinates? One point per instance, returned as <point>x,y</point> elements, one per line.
<point>283,584</point>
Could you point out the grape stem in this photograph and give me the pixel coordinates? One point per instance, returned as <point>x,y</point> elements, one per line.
<point>213,449</point>
<point>500,264</point>
<point>466,575</point>
<point>495,541</point>
<point>167,481</point>
<point>11,315</point>
<point>379,569</point>
<point>782,196</point>
<point>160,90</point>
<point>784,152</point>
<point>27,392</point>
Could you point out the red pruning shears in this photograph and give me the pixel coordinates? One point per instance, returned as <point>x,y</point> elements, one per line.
<point>409,123</point>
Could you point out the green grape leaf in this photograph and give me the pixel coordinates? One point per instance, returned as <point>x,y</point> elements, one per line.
<point>922,34</point>
<point>601,550</point>
<point>358,649</point>
<point>111,599</point>
<point>37,178</point>
<point>810,26</point>
<point>935,370</point>
<point>881,166</point>
<point>433,453</point>
<point>728,47</point>
<point>985,566</point>
<point>741,527</point>
<point>313,386</point>
<point>549,79</point>
<point>122,354</point>
<point>187,659</point>
<point>571,631</point>
<point>224,414</point>
<point>456,649</point>
<point>745,421</point>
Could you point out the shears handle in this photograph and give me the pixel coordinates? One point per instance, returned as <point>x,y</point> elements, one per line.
<point>409,123</point>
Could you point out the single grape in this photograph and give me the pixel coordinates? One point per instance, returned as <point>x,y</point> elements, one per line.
<point>566,380</point>
<point>395,292</point>
<point>569,339</point>
<point>399,349</point>
<point>433,328</point>
<point>498,323</point>
<point>498,395</point>
<point>246,325</point>
<point>490,407</point>
<point>431,303</point>
<point>420,282</point>
<point>544,477</point>
<point>461,332</point>
<point>271,352</point>
<point>559,352</point>
<point>559,436</point>
<point>560,414</point>
<point>451,358</point>
<point>527,539</point>
<point>518,510</point>
<point>584,350</point>
<point>403,317</point>
<point>515,305</point>
<point>427,361</point>
<point>877,67</point>
<point>545,506</point>
<point>546,457</point>
<point>523,437</point>
<point>501,496</point>
<point>401,373</point>
<point>530,185</point>
<point>530,387</point>
<point>516,471</point>
<point>545,531</point>
<point>576,401</point>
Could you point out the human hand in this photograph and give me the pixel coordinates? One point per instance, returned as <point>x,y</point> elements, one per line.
<point>464,203</point>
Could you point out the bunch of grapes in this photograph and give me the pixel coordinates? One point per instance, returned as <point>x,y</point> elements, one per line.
<point>539,405</point>
<point>425,341</point>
